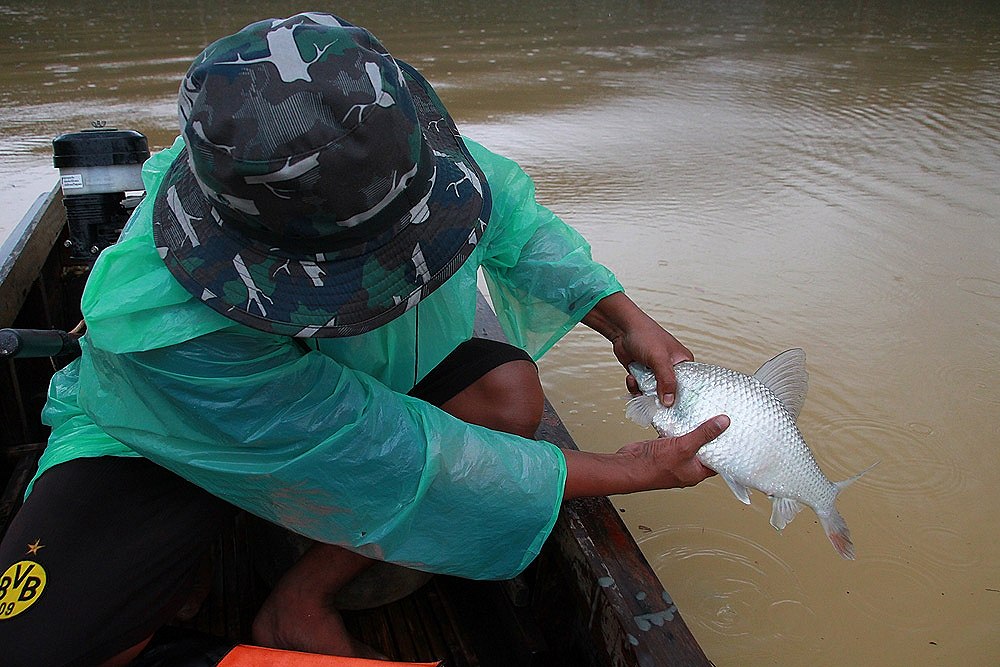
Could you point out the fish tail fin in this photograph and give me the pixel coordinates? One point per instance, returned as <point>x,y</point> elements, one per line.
<point>836,529</point>
<point>834,524</point>
<point>641,409</point>
<point>852,479</point>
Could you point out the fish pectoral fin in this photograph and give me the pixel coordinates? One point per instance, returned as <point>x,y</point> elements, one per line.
<point>783,510</point>
<point>741,492</point>
<point>642,409</point>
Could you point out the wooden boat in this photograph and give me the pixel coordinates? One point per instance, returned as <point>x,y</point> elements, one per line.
<point>589,599</point>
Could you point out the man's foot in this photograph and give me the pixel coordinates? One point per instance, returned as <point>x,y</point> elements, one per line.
<point>315,630</point>
<point>299,614</point>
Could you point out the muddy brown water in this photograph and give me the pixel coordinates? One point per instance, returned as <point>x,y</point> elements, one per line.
<point>761,175</point>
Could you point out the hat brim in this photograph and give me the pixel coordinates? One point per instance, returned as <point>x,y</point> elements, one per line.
<point>343,292</point>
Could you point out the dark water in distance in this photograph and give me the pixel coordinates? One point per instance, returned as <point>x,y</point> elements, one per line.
<point>761,175</point>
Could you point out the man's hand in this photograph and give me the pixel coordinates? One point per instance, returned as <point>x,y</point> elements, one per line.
<point>672,462</point>
<point>637,337</point>
<point>663,463</point>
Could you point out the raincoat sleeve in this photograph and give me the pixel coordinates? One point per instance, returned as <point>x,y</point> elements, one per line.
<point>73,434</point>
<point>539,271</point>
<point>329,452</point>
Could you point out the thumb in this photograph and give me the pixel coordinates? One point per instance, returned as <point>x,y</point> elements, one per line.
<point>705,433</point>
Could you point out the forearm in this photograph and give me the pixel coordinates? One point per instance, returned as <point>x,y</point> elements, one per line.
<point>590,474</point>
<point>663,463</point>
<point>614,315</point>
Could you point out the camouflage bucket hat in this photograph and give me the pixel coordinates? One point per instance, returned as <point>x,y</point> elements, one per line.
<point>324,188</point>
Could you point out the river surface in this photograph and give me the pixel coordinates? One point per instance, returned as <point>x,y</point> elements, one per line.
<point>761,175</point>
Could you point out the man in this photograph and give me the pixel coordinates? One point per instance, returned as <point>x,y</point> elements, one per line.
<point>284,327</point>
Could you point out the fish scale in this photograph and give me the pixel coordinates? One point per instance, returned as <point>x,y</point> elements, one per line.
<point>762,448</point>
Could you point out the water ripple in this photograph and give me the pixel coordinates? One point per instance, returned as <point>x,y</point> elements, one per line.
<point>743,589</point>
<point>975,382</point>
<point>979,286</point>
<point>889,571</point>
<point>946,549</point>
<point>913,465</point>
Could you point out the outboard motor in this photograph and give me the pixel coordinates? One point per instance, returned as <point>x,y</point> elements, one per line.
<point>97,168</point>
<point>100,172</point>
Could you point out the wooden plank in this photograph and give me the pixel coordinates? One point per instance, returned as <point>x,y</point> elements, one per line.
<point>25,251</point>
<point>630,612</point>
<point>431,627</point>
<point>459,650</point>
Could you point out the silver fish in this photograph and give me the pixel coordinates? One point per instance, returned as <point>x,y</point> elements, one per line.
<point>762,448</point>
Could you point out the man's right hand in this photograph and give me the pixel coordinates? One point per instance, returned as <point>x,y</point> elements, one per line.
<point>662,463</point>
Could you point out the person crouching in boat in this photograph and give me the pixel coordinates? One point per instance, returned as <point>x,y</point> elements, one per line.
<point>286,328</point>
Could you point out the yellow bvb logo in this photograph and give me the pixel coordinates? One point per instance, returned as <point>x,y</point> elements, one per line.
<point>20,587</point>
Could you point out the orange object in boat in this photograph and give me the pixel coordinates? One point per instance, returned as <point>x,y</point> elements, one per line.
<point>244,655</point>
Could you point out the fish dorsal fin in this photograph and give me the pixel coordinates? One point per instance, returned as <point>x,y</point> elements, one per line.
<point>786,376</point>
<point>641,409</point>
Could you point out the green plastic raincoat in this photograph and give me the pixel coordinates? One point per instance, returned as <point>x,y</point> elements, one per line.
<point>326,442</point>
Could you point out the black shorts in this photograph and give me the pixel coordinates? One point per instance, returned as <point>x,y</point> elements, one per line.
<point>467,363</point>
<point>104,550</point>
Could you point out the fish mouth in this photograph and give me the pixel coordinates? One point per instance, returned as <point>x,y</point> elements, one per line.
<point>643,376</point>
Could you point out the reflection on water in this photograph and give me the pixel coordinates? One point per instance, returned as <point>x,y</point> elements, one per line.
<point>760,176</point>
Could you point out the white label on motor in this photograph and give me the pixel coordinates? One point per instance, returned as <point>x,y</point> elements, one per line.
<point>72,181</point>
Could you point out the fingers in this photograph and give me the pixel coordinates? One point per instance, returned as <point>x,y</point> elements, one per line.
<point>671,463</point>
<point>666,380</point>
<point>705,433</point>
<point>666,386</point>
<point>690,443</point>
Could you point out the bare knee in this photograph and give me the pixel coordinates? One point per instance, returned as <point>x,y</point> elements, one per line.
<point>509,398</point>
